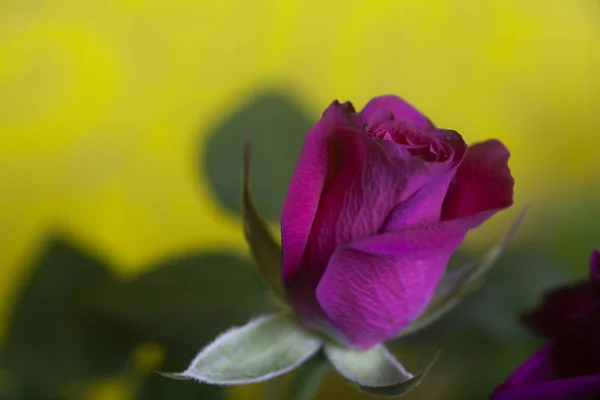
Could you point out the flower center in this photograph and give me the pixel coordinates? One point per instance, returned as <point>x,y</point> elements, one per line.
<point>432,144</point>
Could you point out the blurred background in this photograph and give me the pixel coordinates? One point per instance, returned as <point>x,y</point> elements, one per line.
<point>121,131</point>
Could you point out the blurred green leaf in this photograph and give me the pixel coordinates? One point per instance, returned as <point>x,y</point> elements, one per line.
<point>574,231</point>
<point>522,275</point>
<point>187,300</point>
<point>157,387</point>
<point>277,127</point>
<point>56,338</point>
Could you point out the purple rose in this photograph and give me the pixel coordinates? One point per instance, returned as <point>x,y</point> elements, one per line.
<point>568,366</point>
<point>379,201</point>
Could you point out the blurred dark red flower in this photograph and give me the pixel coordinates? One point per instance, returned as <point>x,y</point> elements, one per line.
<point>568,366</point>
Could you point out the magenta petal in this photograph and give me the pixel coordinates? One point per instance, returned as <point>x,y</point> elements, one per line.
<point>482,182</point>
<point>568,365</point>
<point>425,206</point>
<point>371,178</point>
<point>301,294</point>
<point>580,388</point>
<point>306,185</point>
<point>398,107</point>
<point>539,378</point>
<point>374,287</point>
<point>536,369</point>
<point>370,298</point>
<point>443,236</point>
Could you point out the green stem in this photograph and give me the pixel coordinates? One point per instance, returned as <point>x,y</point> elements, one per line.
<point>308,379</point>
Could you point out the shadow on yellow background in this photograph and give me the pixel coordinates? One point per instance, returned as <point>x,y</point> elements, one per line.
<point>103,104</point>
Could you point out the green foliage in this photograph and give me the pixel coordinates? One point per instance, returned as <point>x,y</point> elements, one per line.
<point>186,301</point>
<point>308,378</point>
<point>277,127</point>
<point>75,322</point>
<point>56,338</point>
<point>157,387</point>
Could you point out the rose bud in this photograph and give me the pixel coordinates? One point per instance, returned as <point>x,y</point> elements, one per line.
<point>379,201</point>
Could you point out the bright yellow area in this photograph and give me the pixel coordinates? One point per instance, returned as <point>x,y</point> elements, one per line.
<point>102,103</point>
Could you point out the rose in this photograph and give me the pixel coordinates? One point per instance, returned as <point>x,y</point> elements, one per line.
<point>378,202</point>
<point>568,366</point>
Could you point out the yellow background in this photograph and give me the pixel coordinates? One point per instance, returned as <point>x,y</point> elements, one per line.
<point>102,104</point>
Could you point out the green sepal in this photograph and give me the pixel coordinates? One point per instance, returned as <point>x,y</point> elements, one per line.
<point>265,250</point>
<point>401,388</point>
<point>262,349</point>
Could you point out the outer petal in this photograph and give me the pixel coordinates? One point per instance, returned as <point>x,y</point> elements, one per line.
<point>581,388</point>
<point>398,107</point>
<point>372,288</point>
<point>305,188</point>
<point>372,177</point>
<point>482,182</point>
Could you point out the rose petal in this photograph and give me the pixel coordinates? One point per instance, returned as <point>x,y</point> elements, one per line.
<point>577,352</point>
<point>370,297</point>
<point>482,182</point>
<point>581,388</point>
<point>374,287</point>
<point>398,107</point>
<point>301,295</point>
<point>371,178</point>
<point>558,310</point>
<point>535,369</point>
<point>306,185</point>
<point>443,236</point>
<point>425,207</point>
